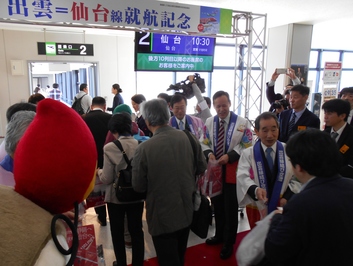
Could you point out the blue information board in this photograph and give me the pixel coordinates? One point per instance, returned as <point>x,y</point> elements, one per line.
<point>182,44</point>
<point>173,52</point>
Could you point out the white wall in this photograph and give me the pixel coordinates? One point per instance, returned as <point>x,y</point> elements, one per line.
<point>328,35</point>
<point>277,57</point>
<point>287,45</point>
<point>114,55</point>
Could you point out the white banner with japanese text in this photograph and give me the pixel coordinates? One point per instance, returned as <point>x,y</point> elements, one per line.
<point>154,15</point>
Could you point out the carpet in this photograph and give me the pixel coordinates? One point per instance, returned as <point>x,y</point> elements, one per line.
<point>205,255</point>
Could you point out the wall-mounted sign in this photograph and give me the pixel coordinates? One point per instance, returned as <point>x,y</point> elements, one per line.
<point>173,52</point>
<point>54,48</point>
<point>332,72</point>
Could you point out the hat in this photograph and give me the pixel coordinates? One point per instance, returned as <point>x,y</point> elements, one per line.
<point>122,108</point>
<point>56,160</point>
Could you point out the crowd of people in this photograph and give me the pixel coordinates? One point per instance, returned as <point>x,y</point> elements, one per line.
<point>291,164</point>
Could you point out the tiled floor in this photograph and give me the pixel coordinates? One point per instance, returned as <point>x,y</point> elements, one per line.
<point>103,237</point>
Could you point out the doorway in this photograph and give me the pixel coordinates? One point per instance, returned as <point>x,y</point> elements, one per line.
<point>67,75</point>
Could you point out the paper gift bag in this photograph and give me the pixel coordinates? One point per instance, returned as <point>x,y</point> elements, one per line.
<point>87,248</point>
<point>96,197</point>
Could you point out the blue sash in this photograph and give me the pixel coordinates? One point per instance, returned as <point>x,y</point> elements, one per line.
<point>229,133</point>
<point>261,173</point>
<point>7,163</point>
<point>188,120</point>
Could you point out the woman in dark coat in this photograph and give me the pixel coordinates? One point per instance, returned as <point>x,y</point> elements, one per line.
<point>136,100</point>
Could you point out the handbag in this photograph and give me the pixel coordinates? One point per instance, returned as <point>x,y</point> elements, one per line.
<point>202,216</point>
<point>252,248</point>
<point>123,184</point>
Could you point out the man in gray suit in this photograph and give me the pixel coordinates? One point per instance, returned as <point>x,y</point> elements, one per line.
<point>165,167</point>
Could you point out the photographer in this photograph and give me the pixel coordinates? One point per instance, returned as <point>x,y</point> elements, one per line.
<point>204,112</point>
<point>280,104</point>
<point>194,85</point>
<point>270,90</point>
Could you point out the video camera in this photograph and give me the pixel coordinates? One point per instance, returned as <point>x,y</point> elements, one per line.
<point>279,104</point>
<point>185,87</point>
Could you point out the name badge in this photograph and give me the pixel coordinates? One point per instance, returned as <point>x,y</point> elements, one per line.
<point>301,128</point>
<point>344,149</point>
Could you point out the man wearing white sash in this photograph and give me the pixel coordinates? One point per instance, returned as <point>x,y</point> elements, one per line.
<point>227,136</point>
<point>182,121</point>
<point>264,171</point>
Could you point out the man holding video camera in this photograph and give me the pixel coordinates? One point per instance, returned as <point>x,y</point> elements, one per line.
<point>280,102</point>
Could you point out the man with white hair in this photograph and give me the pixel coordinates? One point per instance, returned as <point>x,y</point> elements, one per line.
<point>15,129</point>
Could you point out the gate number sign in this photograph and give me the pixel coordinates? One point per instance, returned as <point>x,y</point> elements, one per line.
<point>54,48</point>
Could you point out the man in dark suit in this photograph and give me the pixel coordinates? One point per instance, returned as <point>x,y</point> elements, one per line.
<point>299,117</point>
<point>347,94</point>
<point>270,87</point>
<point>336,114</point>
<point>97,121</point>
<point>316,225</point>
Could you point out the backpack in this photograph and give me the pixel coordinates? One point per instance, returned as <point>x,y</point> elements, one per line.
<point>123,184</point>
<point>77,106</point>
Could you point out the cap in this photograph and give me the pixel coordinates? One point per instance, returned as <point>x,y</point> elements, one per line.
<point>122,108</point>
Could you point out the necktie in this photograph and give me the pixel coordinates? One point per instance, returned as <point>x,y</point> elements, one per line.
<point>334,135</point>
<point>220,140</point>
<point>181,125</point>
<point>269,158</point>
<point>291,123</point>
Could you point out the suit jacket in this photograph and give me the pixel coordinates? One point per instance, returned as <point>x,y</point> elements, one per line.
<point>117,100</point>
<point>97,122</point>
<point>142,125</point>
<point>351,123</point>
<point>315,227</point>
<point>345,146</point>
<point>197,125</point>
<point>270,93</point>
<point>308,119</point>
<point>164,166</point>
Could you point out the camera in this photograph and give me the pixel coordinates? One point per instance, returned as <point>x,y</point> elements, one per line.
<point>279,104</point>
<point>281,70</point>
<point>185,87</point>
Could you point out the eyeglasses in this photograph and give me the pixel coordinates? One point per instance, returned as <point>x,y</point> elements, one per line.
<point>179,108</point>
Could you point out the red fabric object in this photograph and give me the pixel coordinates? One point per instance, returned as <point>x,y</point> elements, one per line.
<point>109,138</point>
<point>253,216</point>
<point>231,172</point>
<point>134,129</point>
<point>205,255</point>
<point>56,159</point>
